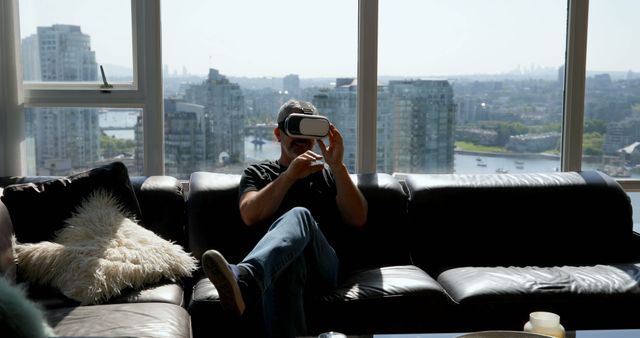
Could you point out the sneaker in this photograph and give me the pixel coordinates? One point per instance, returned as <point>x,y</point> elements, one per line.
<point>225,280</point>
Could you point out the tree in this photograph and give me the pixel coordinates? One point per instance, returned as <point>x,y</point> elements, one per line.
<point>595,126</point>
<point>112,146</point>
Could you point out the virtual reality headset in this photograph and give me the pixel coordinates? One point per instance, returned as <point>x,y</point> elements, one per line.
<point>305,126</point>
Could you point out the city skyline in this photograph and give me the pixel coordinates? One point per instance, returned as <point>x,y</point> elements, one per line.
<point>438,38</point>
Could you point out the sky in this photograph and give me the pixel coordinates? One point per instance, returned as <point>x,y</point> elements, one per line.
<point>318,38</point>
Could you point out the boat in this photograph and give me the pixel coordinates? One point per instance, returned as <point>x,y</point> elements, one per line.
<point>519,166</point>
<point>479,159</point>
<point>502,171</point>
<point>614,171</point>
<point>481,163</point>
<point>519,162</point>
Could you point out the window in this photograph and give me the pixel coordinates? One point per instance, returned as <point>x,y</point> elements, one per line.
<point>63,45</point>
<point>472,86</point>
<point>611,141</point>
<point>229,66</point>
<point>64,140</point>
<point>441,96</point>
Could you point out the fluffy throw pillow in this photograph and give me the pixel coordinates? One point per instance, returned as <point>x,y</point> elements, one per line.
<point>39,208</point>
<point>101,251</point>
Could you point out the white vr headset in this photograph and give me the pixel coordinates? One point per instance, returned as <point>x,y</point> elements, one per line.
<point>305,126</point>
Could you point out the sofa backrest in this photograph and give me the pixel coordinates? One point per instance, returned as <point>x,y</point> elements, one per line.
<point>213,217</point>
<point>214,221</point>
<point>539,219</point>
<point>163,206</point>
<point>161,200</point>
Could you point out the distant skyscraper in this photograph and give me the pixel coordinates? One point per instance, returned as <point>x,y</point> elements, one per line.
<point>184,138</point>
<point>423,126</point>
<point>66,55</point>
<point>31,59</point>
<point>415,124</point>
<point>291,84</point>
<point>339,105</point>
<point>224,118</point>
<point>66,139</point>
<point>561,72</point>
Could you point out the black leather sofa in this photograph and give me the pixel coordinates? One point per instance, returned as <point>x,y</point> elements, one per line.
<point>440,253</point>
<point>451,253</point>
<point>503,246</point>
<point>156,311</point>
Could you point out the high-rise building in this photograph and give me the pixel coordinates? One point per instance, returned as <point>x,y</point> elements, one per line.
<point>65,54</point>
<point>65,139</point>
<point>423,118</point>
<point>339,105</point>
<point>415,124</point>
<point>184,138</point>
<point>31,59</point>
<point>291,84</point>
<point>223,103</point>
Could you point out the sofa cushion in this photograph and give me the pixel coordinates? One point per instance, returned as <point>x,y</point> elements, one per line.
<point>128,320</point>
<point>39,209</point>
<point>382,240</point>
<point>542,284</point>
<point>214,217</point>
<point>162,203</point>
<point>163,292</point>
<point>385,301</point>
<point>544,219</point>
<point>101,252</point>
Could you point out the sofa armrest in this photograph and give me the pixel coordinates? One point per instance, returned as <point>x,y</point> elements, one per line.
<point>7,264</point>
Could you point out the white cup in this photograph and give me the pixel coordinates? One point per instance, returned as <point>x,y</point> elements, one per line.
<point>332,334</point>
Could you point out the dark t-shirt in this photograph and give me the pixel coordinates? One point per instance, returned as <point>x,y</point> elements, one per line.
<point>316,192</point>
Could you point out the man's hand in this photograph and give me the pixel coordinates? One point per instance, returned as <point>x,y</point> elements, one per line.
<point>334,153</point>
<point>304,165</point>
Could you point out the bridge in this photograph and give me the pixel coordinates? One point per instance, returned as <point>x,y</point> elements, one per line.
<point>260,130</point>
<point>119,128</point>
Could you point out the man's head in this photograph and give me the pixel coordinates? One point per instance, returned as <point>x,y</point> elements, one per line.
<point>296,106</point>
<point>292,147</point>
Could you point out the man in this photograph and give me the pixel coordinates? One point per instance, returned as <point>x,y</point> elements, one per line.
<point>296,195</point>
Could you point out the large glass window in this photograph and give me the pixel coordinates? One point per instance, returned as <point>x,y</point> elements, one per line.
<point>66,140</point>
<point>470,86</point>
<point>612,97</point>
<point>67,40</point>
<point>229,65</point>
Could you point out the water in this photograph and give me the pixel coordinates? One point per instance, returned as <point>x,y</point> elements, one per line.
<point>270,150</point>
<point>125,119</point>
<point>463,163</point>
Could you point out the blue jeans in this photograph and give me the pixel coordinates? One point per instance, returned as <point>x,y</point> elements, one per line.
<point>292,249</point>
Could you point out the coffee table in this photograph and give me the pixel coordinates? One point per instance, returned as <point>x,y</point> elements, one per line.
<point>634,333</point>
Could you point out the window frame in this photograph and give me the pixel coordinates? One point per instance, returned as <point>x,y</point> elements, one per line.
<point>145,92</point>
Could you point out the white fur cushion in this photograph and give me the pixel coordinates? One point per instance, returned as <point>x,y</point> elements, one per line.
<point>101,251</point>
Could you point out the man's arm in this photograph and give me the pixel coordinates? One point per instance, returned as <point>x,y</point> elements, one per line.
<point>351,203</point>
<point>257,206</point>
